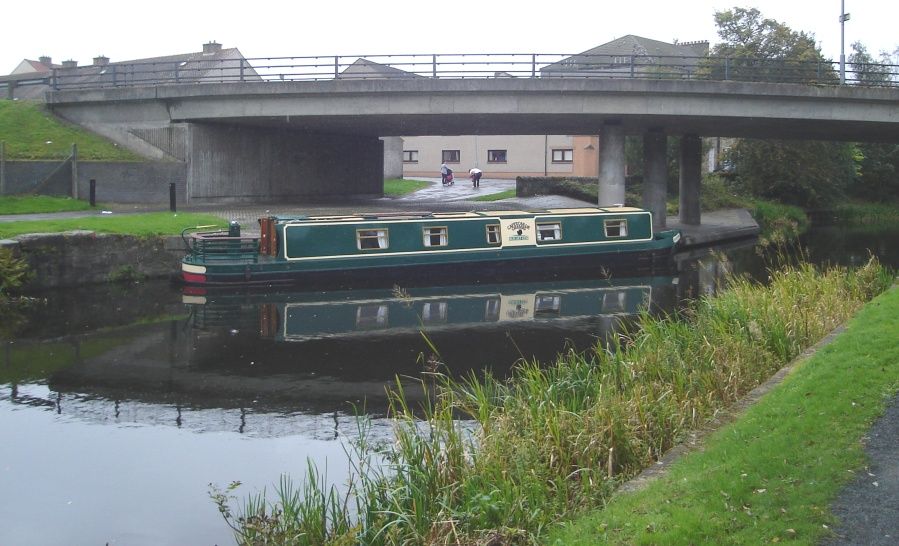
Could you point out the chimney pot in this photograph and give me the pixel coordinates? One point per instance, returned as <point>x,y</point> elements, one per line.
<point>212,47</point>
<point>45,60</point>
<point>101,60</point>
<point>70,64</point>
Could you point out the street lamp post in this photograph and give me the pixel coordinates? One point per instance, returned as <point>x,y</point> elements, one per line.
<point>843,18</point>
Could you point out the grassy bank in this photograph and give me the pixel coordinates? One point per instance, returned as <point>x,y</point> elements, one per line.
<point>31,132</point>
<point>769,476</point>
<point>555,440</point>
<point>143,224</point>
<point>29,204</point>
<point>398,187</point>
<point>507,194</point>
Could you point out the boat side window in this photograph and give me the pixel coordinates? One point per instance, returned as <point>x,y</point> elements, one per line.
<point>434,236</point>
<point>547,305</point>
<point>615,228</point>
<point>433,311</point>
<point>371,239</point>
<point>549,232</point>
<point>493,234</point>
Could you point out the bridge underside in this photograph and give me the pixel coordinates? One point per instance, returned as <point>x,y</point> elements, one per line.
<point>312,139</point>
<point>569,124</point>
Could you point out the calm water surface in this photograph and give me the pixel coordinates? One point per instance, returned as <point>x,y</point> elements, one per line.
<point>120,405</point>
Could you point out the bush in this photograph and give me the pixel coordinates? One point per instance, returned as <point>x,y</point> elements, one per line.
<point>13,272</point>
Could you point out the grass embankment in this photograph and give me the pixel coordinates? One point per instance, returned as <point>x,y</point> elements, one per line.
<point>770,476</point>
<point>30,204</point>
<point>507,194</point>
<point>397,187</point>
<point>142,224</point>
<point>555,440</point>
<point>31,132</point>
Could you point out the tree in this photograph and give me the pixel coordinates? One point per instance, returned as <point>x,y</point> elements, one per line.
<point>878,172</point>
<point>804,173</point>
<point>807,173</point>
<point>754,48</point>
<point>868,71</point>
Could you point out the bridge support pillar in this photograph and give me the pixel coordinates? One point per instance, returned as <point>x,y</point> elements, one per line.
<point>655,176</point>
<point>611,165</point>
<point>690,178</point>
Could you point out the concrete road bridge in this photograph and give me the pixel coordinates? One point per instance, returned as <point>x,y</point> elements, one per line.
<point>300,139</point>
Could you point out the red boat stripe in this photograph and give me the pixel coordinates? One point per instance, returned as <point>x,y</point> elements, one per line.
<point>193,277</point>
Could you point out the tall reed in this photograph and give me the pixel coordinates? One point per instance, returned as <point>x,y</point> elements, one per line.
<point>556,439</point>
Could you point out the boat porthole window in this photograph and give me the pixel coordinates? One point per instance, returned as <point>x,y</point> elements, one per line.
<point>549,231</point>
<point>371,239</point>
<point>493,234</point>
<point>615,228</point>
<point>434,236</point>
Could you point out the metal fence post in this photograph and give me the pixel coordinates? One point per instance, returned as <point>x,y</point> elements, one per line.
<point>434,66</point>
<point>534,65</point>
<point>2,167</point>
<point>241,69</point>
<point>336,66</point>
<point>726,68</point>
<point>632,66</point>
<point>74,171</point>
<point>93,192</point>
<point>172,197</point>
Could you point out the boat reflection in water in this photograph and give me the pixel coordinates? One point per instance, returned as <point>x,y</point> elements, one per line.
<point>359,336</point>
<point>282,363</point>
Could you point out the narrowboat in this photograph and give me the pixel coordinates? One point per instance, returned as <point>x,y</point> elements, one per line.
<point>505,245</point>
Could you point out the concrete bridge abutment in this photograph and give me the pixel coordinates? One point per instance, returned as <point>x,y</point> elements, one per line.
<point>239,162</point>
<point>690,179</point>
<point>611,165</point>
<point>655,176</point>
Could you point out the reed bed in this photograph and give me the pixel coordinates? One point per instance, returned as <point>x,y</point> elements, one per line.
<point>557,439</point>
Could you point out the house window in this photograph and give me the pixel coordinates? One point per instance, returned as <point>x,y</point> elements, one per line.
<point>451,156</point>
<point>410,156</point>
<point>549,232</point>
<point>434,236</point>
<point>493,234</point>
<point>496,156</point>
<point>563,155</point>
<point>371,239</point>
<point>616,228</point>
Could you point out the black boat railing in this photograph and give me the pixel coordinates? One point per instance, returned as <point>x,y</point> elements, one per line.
<point>219,245</point>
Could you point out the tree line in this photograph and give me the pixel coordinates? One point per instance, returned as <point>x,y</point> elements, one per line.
<point>807,173</point>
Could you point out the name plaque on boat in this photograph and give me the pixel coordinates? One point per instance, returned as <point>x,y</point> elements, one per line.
<point>519,232</point>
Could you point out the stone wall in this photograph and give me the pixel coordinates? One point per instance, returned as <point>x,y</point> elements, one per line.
<point>77,258</point>
<point>117,182</point>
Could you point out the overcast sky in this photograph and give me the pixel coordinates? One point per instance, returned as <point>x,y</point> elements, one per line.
<point>263,28</point>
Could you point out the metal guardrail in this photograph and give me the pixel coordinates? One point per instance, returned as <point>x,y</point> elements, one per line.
<point>469,66</point>
<point>220,246</point>
<point>458,66</point>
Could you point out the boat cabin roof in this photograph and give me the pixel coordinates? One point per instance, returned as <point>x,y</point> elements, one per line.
<point>403,215</point>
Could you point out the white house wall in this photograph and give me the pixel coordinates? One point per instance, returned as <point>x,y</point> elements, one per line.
<point>526,155</point>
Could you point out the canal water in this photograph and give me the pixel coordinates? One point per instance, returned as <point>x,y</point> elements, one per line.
<point>121,404</point>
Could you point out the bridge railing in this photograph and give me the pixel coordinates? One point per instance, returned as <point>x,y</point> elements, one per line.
<point>469,66</point>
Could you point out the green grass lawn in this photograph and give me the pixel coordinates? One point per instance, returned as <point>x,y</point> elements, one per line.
<point>143,224</point>
<point>27,204</point>
<point>508,194</point>
<point>770,476</point>
<point>31,132</point>
<point>397,187</point>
